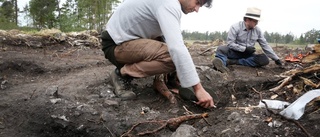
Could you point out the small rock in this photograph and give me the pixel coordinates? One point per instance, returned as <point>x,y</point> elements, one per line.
<point>52,91</point>
<point>108,102</point>
<point>2,126</point>
<point>106,93</point>
<point>237,128</point>
<point>235,117</point>
<point>185,130</point>
<point>145,109</point>
<point>55,100</point>
<point>80,127</point>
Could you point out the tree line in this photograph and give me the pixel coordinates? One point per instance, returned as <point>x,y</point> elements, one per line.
<point>77,15</point>
<point>310,37</point>
<point>72,15</point>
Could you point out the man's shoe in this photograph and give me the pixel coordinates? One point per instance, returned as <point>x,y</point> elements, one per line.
<point>218,64</point>
<point>121,86</point>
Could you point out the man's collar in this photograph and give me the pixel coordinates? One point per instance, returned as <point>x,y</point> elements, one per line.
<point>244,26</point>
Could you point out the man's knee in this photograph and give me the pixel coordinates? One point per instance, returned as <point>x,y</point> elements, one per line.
<point>222,50</point>
<point>261,60</point>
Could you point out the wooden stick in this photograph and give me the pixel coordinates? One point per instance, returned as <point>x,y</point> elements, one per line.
<point>240,108</point>
<point>284,82</point>
<point>260,95</point>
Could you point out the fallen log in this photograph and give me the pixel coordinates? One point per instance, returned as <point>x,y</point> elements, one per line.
<point>311,58</point>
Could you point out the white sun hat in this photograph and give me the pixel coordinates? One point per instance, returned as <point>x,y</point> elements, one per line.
<point>253,13</point>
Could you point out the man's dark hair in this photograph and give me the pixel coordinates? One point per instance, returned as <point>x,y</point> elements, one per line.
<point>245,18</point>
<point>208,3</point>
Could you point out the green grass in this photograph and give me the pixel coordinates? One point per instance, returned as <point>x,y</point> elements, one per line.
<point>292,46</point>
<point>190,42</point>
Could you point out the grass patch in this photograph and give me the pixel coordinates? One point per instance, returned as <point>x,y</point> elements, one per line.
<point>288,46</point>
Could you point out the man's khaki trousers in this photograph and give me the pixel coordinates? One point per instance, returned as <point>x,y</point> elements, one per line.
<point>143,58</point>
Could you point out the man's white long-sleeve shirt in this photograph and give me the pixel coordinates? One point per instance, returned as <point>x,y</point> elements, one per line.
<point>135,19</point>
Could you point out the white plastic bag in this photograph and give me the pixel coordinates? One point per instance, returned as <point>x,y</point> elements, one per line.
<point>274,104</point>
<point>296,109</point>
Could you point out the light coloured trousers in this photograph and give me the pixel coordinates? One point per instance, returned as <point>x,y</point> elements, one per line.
<point>143,58</point>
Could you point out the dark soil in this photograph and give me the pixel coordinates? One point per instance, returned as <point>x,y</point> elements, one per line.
<point>60,90</point>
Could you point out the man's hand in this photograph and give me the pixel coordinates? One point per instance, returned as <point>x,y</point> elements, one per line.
<point>205,99</point>
<point>278,62</point>
<point>250,50</point>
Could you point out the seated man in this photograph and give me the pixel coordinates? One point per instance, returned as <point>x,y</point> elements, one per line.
<point>240,49</point>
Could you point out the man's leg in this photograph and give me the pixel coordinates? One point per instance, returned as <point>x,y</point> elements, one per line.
<point>220,60</point>
<point>256,60</point>
<point>253,60</point>
<point>144,57</point>
<point>121,85</point>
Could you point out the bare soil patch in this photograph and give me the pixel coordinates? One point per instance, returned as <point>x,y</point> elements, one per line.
<point>61,89</point>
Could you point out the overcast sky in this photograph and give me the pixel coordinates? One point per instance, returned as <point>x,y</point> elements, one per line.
<point>282,16</point>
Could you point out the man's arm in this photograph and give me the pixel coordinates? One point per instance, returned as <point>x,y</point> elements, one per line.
<point>169,21</point>
<point>267,49</point>
<point>168,17</point>
<point>231,39</point>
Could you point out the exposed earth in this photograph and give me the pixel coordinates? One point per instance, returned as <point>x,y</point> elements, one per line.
<point>57,89</point>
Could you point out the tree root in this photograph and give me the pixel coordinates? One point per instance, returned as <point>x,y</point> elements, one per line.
<point>160,86</point>
<point>172,124</point>
<point>289,75</point>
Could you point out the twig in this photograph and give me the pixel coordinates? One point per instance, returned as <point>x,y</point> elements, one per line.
<point>56,55</point>
<point>233,85</point>
<point>240,108</point>
<point>68,53</point>
<point>191,113</point>
<point>187,111</point>
<point>207,121</point>
<point>162,122</point>
<point>208,49</point>
<point>152,131</point>
<point>20,123</point>
<point>301,127</point>
<point>269,110</point>
<point>257,92</point>
<point>294,73</point>
<point>93,121</point>
<point>108,129</point>
<point>32,93</point>
<point>284,82</point>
